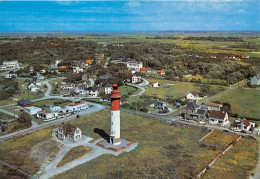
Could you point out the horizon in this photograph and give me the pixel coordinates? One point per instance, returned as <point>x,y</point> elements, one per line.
<point>130,16</point>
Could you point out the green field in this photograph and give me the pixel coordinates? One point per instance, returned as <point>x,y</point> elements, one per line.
<point>243,101</point>
<point>125,90</point>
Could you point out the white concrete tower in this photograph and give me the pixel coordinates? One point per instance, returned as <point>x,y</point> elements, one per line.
<point>115,116</point>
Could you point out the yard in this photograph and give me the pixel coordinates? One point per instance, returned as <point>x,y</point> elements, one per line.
<point>234,163</point>
<point>127,90</point>
<point>45,104</point>
<point>245,102</point>
<point>220,138</point>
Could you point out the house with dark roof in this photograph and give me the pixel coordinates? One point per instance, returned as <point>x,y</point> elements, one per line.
<point>255,80</point>
<point>92,91</point>
<point>82,89</point>
<point>67,131</point>
<point>84,77</point>
<point>136,79</point>
<point>218,117</point>
<point>44,114</point>
<point>108,88</point>
<point>25,103</point>
<point>193,112</point>
<point>11,74</point>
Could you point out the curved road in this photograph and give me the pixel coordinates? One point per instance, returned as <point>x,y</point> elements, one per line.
<point>139,86</point>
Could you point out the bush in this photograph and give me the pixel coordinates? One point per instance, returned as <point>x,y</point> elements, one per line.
<point>77,116</point>
<point>25,118</point>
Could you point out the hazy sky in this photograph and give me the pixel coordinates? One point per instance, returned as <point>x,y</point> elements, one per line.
<point>129,15</point>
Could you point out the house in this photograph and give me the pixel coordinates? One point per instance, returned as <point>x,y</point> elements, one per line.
<point>194,95</point>
<point>31,69</point>
<point>32,110</point>
<point>77,107</point>
<point>244,125</point>
<point>92,91</point>
<point>194,113</point>
<point>77,69</point>
<point>123,100</point>
<point>42,71</point>
<point>143,69</point>
<point>103,79</point>
<point>68,131</point>
<point>136,79</point>
<point>255,80</point>
<point>11,74</point>
<point>36,81</point>
<point>62,67</point>
<point>191,108</point>
<point>11,65</point>
<point>130,63</point>
<point>67,87</point>
<point>53,67</point>
<point>161,72</point>
<point>218,117</point>
<point>211,106</point>
<point>57,62</point>
<point>161,105</point>
<point>155,84</point>
<point>55,108</point>
<point>84,77</point>
<point>106,98</point>
<point>108,88</point>
<point>3,127</point>
<point>44,114</point>
<point>25,103</point>
<point>32,86</point>
<point>82,89</point>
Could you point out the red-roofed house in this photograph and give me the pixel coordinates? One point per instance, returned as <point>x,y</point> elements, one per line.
<point>218,117</point>
<point>212,106</point>
<point>244,125</point>
<point>155,84</point>
<point>143,69</point>
<point>161,72</point>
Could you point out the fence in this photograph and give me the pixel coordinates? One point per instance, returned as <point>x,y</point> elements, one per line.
<point>13,168</point>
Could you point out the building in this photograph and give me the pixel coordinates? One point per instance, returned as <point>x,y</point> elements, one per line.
<point>77,69</point>
<point>92,91</point>
<point>244,125</point>
<point>161,105</point>
<point>255,80</point>
<point>55,108</point>
<point>67,87</point>
<point>211,106</point>
<point>193,112</point>
<point>155,84</point>
<point>103,79</point>
<point>82,89</point>
<point>192,107</point>
<point>47,114</point>
<point>194,95</point>
<point>161,72</point>
<point>3,127</point>
<point>136,79</point>
<point>143,69</point>
<point>130,63</point>
<point>218,117</point>
<point>32,86</point>
<point>10,65</point>
<point>32,110</point>
<point>11,74</point>
<point>84,77</point>
<point>108,88</point>
<point>25,103</point>
<point>68,131</point>
<point>77,107</point>
<point>115,116</point>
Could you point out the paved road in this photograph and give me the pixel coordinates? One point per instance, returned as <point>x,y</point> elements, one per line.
<point>96,108</point>
<point>91,82</point>
<point>139,86</point>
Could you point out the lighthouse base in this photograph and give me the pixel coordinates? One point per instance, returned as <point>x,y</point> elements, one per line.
<point>124,143</point>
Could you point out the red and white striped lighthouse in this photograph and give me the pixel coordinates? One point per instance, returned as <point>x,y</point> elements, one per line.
<point>115,116</point>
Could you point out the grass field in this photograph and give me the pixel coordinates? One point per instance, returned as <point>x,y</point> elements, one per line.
<point>245,102</point>
<point>4,116</point>
<point>73,154</point>
<point>46,103</point>
<point>233,164</point>
<point>220,138</point>
<point>125,90</point>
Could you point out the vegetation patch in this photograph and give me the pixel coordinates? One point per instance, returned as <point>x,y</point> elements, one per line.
<point>74,154</point>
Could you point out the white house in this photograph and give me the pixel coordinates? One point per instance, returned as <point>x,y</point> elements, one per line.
<point>77,70</point>
<point>47,114</point>
<point>161,105</point>
<point>130,63</point>
<point>67,87</point>
<point>82,89</point>
<point>193,95</point>
<point>68,131</point>
<point>155,84</point>
<point>10,65</point>
<point>108,88</point>
<point>32,110</point>
<point>11,74</point>
<point>218,117</point>
<point>255,80</point>
<point>55,108</point>
<point>212,106</point>
<point>77,107</point>
<point>136,78</point>
<point>32,86</point>
<point>92,91</point>
<point>244,125</point>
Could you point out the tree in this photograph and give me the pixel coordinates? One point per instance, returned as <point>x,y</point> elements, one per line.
<point>25,118</point>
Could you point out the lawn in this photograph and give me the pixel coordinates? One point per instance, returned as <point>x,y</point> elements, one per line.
<point>126,90</point>
<point>51,102</point>
<point>220,138</point>
<point>4,116</point>
<point>245,102</point>
<point>73,154</point>
<point>238,162</point>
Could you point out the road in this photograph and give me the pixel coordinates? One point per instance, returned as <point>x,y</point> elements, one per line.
<point>91,82</point>
<point>139,86</point>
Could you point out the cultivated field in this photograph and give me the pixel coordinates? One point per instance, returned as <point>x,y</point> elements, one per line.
<point>220,139</point>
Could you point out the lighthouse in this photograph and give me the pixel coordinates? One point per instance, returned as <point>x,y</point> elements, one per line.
<point>115,117</point>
